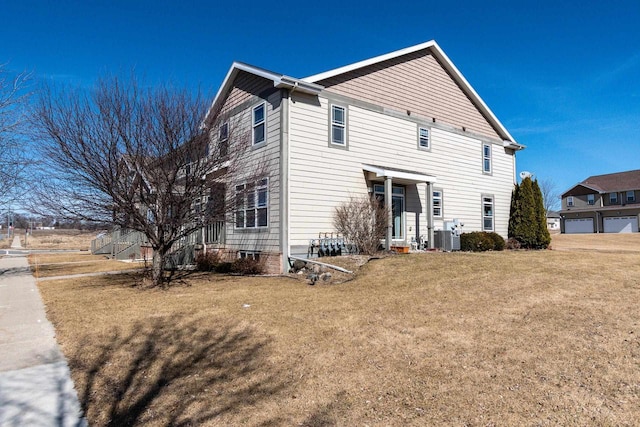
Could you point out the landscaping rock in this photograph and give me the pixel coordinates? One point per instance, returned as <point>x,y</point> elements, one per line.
<point>298,265</point>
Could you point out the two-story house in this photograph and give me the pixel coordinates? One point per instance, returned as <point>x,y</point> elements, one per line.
<point>603,204</point>
<point>406,127</point>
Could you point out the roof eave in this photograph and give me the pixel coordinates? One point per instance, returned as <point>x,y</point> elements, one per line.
<point>580,184</point>
<point>279,81</point>
<point>448,65</point>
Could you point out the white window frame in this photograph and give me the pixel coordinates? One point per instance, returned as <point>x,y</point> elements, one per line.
<point>570,202</point>
<point>487,166</point>
<point>591,199</point>
<point>440,206</point>
<point>613,200</point>
<point>249,207</point>
<point>630,196</point>
<point>488,200</point>
<point>249,254</point>
<point>424,141</point>
<point>333,124</point>
<point>256,124</point>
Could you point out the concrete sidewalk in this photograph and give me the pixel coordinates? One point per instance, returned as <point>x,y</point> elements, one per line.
<point>35,385</point>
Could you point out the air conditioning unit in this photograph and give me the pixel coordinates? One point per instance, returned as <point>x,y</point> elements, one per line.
<point>447,240</point>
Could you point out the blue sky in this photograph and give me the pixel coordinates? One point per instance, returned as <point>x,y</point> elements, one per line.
<point>562,76</point>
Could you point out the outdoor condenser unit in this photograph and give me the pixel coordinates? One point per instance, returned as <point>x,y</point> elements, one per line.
<point>449,239</point>
<point>446,240</point>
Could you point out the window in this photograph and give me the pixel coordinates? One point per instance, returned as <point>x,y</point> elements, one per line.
<point>259,130</point>
<point>569,201</point>
<point>223,140</point>
<point>251,204</point>
<point>338,125</point>
<point>613,198</point>
<point>251,255</point>
<point>397,208</point>
<point>423,138</point>
<point>487,213</point>
<point>437,203</point>
<point>591,199</point>
<point>486,158</point>
<point>631,196</point>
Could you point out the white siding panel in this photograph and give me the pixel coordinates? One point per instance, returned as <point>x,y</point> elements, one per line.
<point>323,177</point>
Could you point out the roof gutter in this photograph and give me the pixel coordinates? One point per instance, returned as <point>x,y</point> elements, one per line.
<point>293,84</point>
<point>513,145</point>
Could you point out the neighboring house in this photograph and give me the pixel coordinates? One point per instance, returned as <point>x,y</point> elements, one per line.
<point>553,221</point>
<point>405,126</point>
<point>603,204</point>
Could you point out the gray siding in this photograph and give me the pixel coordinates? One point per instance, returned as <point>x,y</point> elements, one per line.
<point>245,87</point>
<point>248,162</point>
<point>582,202</point>
<point>415,82</point>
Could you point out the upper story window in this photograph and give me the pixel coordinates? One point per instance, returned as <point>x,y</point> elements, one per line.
<point>591,199</point>
<point>487,213</point>
<point>486,158</point>
<point>569,201</point>
<point>252,201</point>
<point>437,203</point>
<point>613,198</point>
<point>631,196</point>
<point>424,138</point>
<point>338,125</point>
<point>259,114</point>
<point>223,139</point>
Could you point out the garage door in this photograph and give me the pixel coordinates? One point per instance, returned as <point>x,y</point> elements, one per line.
<point>621,224</point>
<point>578,225</point>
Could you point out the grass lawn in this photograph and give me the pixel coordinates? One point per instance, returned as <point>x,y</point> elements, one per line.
<point>57,239</point>
<point>507,338</point>
<point>58,264</point>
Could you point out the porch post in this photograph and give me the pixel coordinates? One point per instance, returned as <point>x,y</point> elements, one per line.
<point>430,215</point>
<point>388,195</point>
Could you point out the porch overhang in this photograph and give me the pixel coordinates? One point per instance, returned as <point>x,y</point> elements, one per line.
<point>400,176</point>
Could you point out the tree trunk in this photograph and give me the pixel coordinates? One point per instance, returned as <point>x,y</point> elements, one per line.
<point>157,266</point>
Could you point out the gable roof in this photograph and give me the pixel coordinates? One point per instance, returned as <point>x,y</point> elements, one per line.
<point>279,81</point>
<point>309,84</point>
<point>609,183</point>
<point>444,60</point>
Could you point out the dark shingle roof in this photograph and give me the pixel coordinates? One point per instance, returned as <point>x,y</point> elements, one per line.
<point>621,181</point>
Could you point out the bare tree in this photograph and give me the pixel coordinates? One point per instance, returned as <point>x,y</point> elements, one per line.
<point>550,194</point>
<point>138,157</point>
<point>363,222</point>
<point>13,97</point>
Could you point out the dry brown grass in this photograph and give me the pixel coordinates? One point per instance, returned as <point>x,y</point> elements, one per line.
<point>64,257</point>
<point>59,264</point>
<point>623,242</point>
<point>512,338</point>
<point>57,239</point>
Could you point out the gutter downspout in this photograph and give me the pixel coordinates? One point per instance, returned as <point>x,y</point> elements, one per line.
<point>429,198</point>
<point>388,194</point>
<point>284,181</point>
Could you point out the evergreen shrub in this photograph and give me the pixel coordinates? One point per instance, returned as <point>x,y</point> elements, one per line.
<point>481,241</point>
